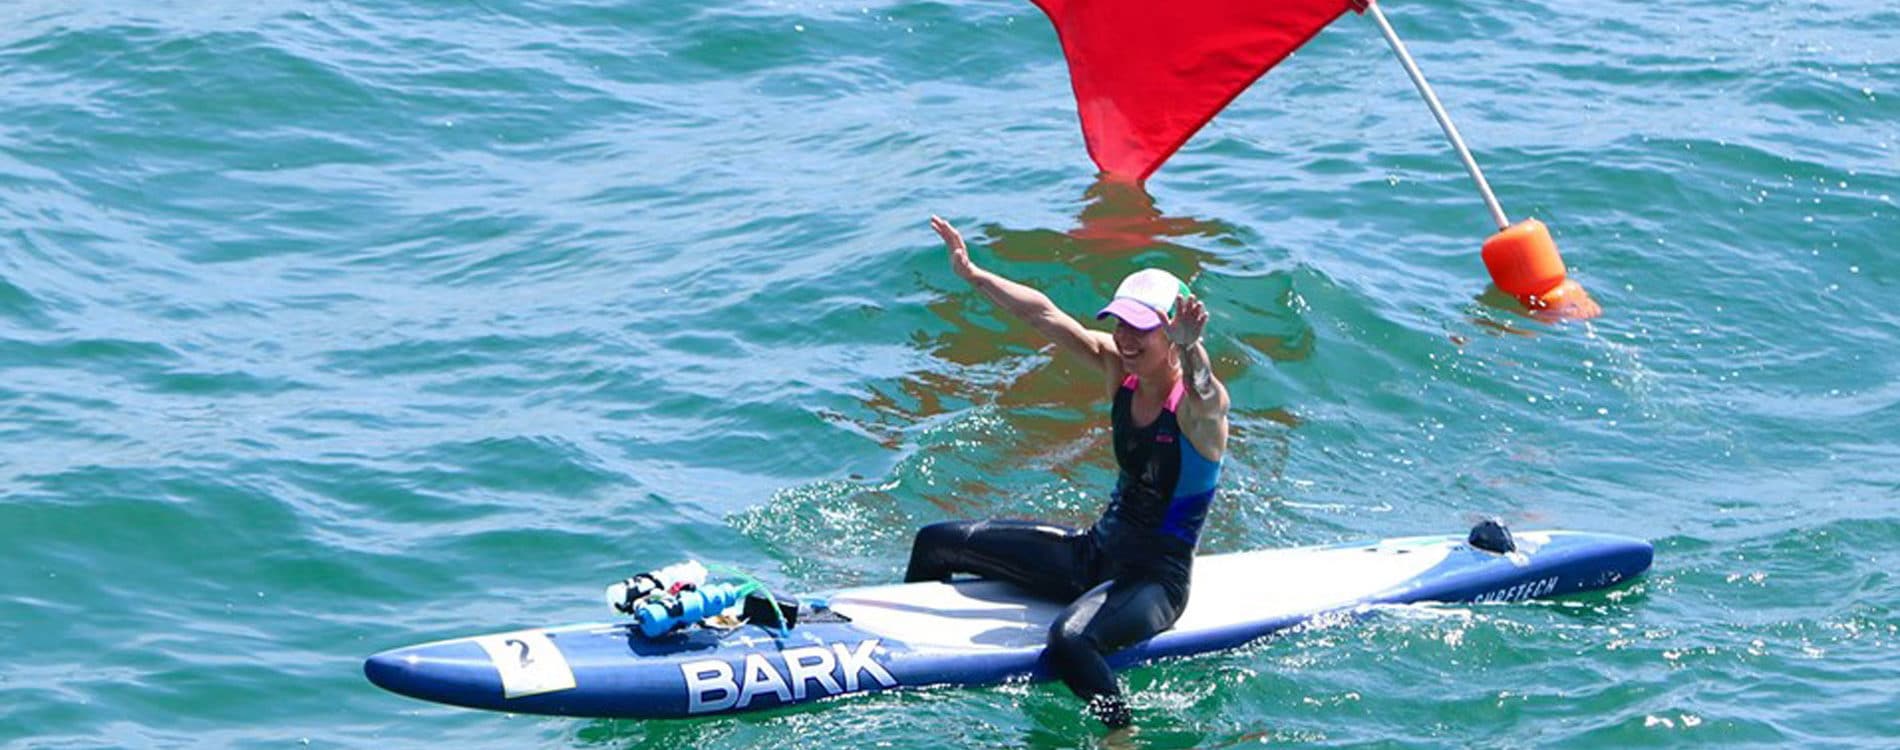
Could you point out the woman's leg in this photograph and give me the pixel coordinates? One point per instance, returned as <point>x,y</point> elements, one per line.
<point>1108,618</point>
<point>1047,559</point>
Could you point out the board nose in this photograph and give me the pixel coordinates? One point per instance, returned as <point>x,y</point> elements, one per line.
<point>392,670</point>
<point>451,672</point>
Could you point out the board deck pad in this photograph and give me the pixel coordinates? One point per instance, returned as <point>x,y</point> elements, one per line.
<point>970,632</point>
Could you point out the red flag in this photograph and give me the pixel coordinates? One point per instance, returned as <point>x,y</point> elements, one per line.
<point>1148,73</point>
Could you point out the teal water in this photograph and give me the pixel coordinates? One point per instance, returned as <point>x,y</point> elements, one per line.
<point>326,329</point>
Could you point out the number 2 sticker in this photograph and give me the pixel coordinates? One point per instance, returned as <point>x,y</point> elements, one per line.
<point>528,662</point>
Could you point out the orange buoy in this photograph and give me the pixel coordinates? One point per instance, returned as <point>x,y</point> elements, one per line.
<point>1523,261</point>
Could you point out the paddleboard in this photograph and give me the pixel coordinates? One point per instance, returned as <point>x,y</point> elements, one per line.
<point>970,632</point>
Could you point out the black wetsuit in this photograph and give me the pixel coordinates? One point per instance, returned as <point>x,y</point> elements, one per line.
<point>1126,577</point>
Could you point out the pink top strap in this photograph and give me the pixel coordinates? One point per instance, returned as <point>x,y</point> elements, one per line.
<point>1174,397</point>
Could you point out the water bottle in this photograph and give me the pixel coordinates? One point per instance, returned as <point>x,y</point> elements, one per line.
<point>661,614</point>
<point>625,596</point>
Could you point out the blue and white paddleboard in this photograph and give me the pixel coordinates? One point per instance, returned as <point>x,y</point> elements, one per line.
<point>970,632</point>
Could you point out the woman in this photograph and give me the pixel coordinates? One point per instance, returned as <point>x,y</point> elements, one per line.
<point>1127,575</point>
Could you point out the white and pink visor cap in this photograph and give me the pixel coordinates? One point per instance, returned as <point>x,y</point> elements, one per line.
<point>1145,299</point>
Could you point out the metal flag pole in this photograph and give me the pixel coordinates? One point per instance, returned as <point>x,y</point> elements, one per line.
<point>1438,111</point>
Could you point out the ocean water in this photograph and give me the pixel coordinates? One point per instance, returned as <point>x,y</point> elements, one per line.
<point>327,328</point>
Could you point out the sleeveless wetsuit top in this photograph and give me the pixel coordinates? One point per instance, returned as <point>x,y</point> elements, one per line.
<point>1165,486</point>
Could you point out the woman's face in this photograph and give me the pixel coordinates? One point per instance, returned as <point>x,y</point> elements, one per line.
<point>1142,352</point>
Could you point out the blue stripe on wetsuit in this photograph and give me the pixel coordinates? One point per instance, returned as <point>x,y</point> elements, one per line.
<point>1193,493</point>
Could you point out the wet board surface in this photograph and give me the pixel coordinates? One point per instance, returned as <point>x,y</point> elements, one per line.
<point>970,632</point>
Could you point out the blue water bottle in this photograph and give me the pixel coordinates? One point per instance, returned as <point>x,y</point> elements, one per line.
<point>659,615</point>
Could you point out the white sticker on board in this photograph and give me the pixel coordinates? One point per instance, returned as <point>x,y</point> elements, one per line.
<point>528,662</point>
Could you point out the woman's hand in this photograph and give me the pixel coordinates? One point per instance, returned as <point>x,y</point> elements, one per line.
<point>959,254</point>
<point>1190,319</point>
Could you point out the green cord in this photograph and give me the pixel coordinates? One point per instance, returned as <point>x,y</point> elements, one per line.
<point>751,585</point>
